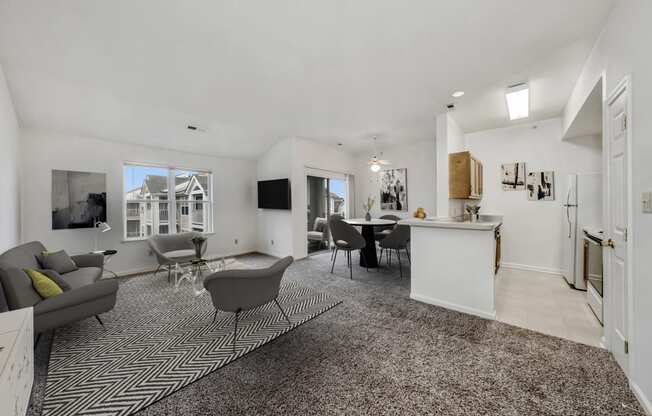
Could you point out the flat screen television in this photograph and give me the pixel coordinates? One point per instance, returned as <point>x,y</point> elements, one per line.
<point>274,194</point>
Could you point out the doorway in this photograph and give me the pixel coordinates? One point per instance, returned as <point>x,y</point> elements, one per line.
<point>326,196</point>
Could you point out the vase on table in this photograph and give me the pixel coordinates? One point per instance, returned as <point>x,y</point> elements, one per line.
<point>198,242</point>
<point>367,206</point>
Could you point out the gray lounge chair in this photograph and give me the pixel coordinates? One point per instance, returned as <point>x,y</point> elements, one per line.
<point>319,233</point>
<point>173,250</point>
<point>241,290</point>
<point>88,295</point>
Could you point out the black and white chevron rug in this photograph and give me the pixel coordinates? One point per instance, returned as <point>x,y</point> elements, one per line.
<point>157,341</point>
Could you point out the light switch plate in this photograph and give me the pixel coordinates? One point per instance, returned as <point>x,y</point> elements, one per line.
<point>646,202</point>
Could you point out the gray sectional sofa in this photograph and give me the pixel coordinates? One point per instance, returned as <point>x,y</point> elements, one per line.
<point>88,295</point>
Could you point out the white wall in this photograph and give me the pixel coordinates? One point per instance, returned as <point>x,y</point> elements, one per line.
<point>309,154</point>
<point>289,159</point>
<point>274,236</point>
<point>233,182</point>
<point>623,48</point>
<point>532,231</point>
<point>9,170</point>
<point>419,159</point>
<point>449,138</point>
<point>456,143</point>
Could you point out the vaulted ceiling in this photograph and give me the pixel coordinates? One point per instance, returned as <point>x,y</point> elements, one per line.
<point>255,72</point>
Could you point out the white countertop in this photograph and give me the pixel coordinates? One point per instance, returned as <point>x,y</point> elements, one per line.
<point>484,223</point>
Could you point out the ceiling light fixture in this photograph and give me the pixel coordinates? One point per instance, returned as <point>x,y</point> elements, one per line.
<point>374,162</point>
<point>458,94</point>
<point>518,101</point>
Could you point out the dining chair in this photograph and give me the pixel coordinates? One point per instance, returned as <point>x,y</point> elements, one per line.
<point>347,239</point>
<point>383,231</point>
<point>397,240</point>
<point>332,217</point>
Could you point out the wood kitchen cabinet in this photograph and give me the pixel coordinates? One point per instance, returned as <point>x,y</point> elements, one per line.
<point>465,176</point>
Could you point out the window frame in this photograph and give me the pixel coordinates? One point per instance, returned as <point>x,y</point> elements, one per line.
<point>171,200</point>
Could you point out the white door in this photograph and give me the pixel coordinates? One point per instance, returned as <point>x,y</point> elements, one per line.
<point>617,183</point>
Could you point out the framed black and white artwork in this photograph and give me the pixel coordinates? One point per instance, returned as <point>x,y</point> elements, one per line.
<point>541,186</point>
<point>393,190</point>
<point>78,199</point>
<point>513,176</point>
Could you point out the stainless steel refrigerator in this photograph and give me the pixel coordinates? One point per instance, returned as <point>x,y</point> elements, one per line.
<point>582,207</point>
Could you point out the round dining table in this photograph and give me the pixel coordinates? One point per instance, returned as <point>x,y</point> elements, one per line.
<point>369,259</point>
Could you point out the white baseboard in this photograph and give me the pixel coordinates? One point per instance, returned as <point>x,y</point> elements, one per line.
<point>453,306</point>
<point>642,399</point>
<point>547,270</point>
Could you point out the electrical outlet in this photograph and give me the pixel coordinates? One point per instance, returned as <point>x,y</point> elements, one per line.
<point>646,202</point>
<point>235,241</point>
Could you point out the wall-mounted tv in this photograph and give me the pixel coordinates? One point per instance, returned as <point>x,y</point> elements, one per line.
<point>274,194</point>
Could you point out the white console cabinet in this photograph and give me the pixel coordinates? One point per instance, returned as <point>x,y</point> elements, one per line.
<point>16,361</point>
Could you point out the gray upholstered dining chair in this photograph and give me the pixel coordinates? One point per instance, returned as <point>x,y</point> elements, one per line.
<point>331,218</point>
<point>397,240</point>
<point>241,290</point>
<point>172,250</point>
<point>383,231</point>
<point>347,239</point>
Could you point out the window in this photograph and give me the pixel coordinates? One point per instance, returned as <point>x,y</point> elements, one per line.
<point>162,200</point>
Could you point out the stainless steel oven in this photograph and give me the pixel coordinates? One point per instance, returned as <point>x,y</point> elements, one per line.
<point>593,274</point>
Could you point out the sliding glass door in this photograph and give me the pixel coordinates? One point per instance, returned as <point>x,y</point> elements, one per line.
<point>325,196</point>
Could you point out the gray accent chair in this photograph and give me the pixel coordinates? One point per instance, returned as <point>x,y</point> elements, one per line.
<point>397,240</point>
<point>347,239</point>
<point>319,233</point>
<point>172,250</point>
<point>383,231</point>
<point>241,290</point>
<point>88,295</point>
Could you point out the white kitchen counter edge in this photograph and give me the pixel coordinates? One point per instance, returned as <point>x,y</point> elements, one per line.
<point>455,307</point>
<point>480,226</point>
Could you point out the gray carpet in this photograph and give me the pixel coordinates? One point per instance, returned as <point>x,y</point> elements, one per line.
<point>156,341</point>
<point>381,353</point>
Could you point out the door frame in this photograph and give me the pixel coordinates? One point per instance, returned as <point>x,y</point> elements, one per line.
<point>625,85</point>
<point>329,175</point>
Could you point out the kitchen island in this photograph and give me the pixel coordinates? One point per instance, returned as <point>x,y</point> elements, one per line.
<point>454,263</point>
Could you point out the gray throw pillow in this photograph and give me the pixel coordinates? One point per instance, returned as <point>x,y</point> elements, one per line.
<point>59,261</point>
<point>56,277</point>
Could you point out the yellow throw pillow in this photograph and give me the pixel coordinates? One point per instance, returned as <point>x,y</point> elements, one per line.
<point>43,285</point>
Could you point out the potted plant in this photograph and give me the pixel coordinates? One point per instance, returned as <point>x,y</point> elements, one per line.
<point>367,207</point>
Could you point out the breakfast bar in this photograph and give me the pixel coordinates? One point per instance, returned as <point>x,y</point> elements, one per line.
<point>454,261</point>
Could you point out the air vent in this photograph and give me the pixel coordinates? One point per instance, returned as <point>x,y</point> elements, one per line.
<point>193,127</point>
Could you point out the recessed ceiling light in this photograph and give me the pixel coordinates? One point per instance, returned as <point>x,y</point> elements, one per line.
<point>518,101</point>
<point>458,94</point>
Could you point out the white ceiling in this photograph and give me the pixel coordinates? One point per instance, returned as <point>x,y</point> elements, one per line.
<point>256,72</point>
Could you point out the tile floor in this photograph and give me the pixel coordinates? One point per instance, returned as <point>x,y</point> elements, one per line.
<point>545,303</point>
